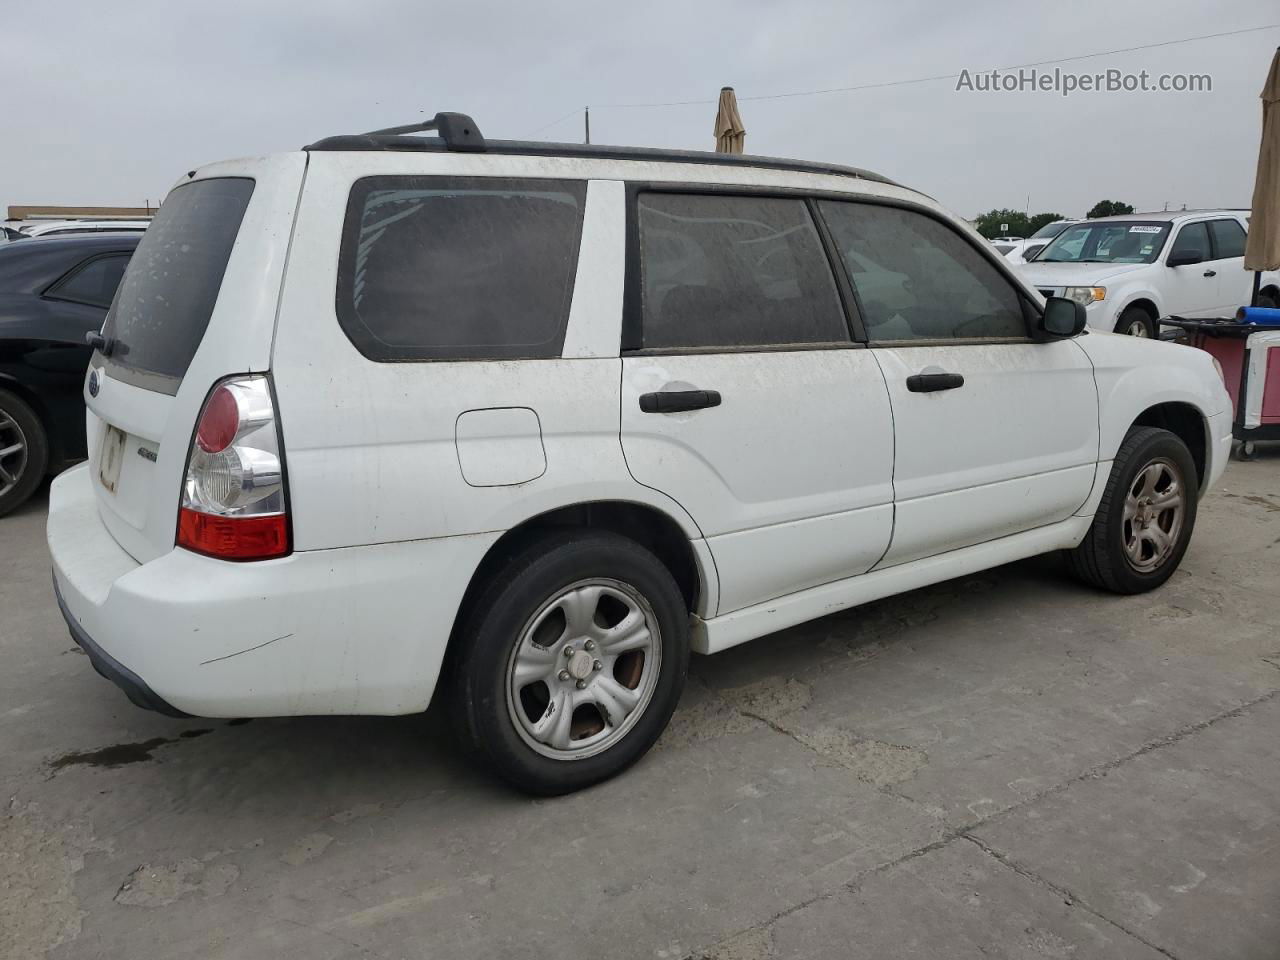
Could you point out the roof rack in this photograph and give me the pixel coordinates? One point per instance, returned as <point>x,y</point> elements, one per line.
<point>457,132</point>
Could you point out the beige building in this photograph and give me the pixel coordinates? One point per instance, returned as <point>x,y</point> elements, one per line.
<point>36,212</point>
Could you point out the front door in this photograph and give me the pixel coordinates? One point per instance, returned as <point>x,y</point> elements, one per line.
<point>994,434</point>
<point>1191,290</point>
<point>745,399</point>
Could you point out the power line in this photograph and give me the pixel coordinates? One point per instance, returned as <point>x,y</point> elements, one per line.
<point>914,80</point>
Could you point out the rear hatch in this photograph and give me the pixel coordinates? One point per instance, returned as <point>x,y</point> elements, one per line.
<point>197,303</point>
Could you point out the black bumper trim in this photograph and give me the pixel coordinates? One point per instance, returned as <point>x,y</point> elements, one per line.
<point>134,687</point>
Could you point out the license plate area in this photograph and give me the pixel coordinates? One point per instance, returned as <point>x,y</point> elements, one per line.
<point>111,458</point>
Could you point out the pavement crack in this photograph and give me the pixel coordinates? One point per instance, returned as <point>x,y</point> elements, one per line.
<point>964,832</point>
<point>1069,898</point>
<point>1102,769</point>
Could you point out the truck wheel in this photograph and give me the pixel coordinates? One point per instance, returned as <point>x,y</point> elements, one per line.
<point>24,451</point>
<point>1145,518</point>
<point>575,656</point>
<point>1136,322</point>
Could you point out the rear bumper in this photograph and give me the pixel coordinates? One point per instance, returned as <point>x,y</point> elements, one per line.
<point>134,687</point>
<point>359,630</point>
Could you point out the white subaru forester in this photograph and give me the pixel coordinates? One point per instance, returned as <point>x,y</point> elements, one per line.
<point>526,424</point>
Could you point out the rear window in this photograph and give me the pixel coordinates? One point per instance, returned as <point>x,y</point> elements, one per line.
<point>168,293</point>
<point>448,268</point>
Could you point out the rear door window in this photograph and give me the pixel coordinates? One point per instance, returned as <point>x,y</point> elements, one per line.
<point>918,279</point>
<point>93,282</point>
<point>734,271</point>
<point>450,268</point>
<point>1228,239</point>
<point>168,293</point>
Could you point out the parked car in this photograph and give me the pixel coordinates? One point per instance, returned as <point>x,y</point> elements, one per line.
<point>1129,271</point>
<point>63,228</point>
<point>524,425</point>
<point>1027,250</point>
<point>51,294</point>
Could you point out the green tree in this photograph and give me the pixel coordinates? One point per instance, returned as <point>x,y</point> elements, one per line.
<point>989,224</point>
<point>1109,208</point>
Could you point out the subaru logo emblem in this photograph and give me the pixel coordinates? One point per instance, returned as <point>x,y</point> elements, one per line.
<point>93,384</point>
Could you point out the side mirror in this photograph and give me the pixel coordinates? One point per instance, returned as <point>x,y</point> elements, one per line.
<point>1185,258</point>
<point>1062,318</point>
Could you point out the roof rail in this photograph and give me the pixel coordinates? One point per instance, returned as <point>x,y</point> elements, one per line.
<point>458,131</point>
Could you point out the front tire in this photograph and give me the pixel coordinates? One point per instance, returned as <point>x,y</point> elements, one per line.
<point>24,451</point>
<point>1145,518</point>
<point>1136,322</point>
<point>574,657</point>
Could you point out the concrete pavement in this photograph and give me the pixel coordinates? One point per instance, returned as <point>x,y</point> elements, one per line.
<point>1009,765</point>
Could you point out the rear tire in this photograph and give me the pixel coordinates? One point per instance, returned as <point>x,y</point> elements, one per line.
<point>1146,516</point>
<point>574,657</point>
<point>24,451</point>
<point>1136,322</point>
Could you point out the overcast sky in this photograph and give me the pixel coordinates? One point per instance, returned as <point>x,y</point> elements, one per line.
<point>109,103</point>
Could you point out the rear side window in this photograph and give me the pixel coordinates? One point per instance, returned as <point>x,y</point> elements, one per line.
<point>917,279</point>
<point>726,271</point>
<point>93,283</point>
<point>448,268</point>
<point>169,291</point>
<point>1228,239</point>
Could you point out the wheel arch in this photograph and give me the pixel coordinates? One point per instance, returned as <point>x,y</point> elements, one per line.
<point>653,529</point>
<point>1186,422</point>
<point>32,398</point>
<point>1144,302</point>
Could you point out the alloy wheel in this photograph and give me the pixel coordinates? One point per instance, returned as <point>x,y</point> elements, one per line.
<point>13,453</point>
<point>1154,509</point>
<point>584,669</point>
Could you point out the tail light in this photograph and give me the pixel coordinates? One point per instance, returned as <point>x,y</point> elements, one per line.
<point>233,497</point>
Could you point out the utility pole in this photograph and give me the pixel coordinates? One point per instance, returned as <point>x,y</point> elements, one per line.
<point>586,122</point>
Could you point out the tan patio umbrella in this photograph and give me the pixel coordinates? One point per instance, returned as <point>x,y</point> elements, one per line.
<point>1263,249</point>
<point>730,134</point>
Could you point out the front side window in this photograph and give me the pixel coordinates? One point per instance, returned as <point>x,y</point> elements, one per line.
<point>1111,241</point>
<point>734,271</point>
<point>93,282</point>
<point>918,279</point>
<point>449,268</point>
<point>1228,239</point>
<point>1193,238</point>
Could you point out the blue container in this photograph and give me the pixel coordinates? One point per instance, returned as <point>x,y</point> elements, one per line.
<point>1262,316</point>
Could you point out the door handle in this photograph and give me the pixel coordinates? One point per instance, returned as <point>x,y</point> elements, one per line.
<point>933,382</point>
<point>675,401</point>
<point>1211,273</point>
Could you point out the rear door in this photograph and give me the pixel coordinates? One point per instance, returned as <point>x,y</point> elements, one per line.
<point>744,397</point>
<point>994,434</point>
<point>1235,284</point>
<point>197,303</point>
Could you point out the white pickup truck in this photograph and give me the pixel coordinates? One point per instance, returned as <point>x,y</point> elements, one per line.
<point>1129,271</point>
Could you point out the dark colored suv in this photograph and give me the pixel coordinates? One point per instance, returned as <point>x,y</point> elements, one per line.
<point>52,292</point>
